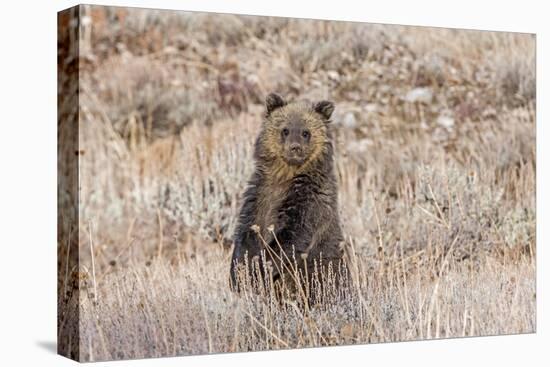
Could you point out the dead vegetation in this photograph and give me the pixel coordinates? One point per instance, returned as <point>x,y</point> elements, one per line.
<point>435,146</point>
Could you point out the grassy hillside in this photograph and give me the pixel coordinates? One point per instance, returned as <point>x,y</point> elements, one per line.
<point>435,156</point>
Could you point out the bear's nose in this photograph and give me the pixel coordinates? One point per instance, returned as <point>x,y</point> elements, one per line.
<point>296,148</point>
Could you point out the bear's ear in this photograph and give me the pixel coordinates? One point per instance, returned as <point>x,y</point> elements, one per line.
<point>324,108</point>
<point>272,102</point>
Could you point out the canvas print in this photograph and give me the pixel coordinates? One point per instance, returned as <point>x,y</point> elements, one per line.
<point>232,183</point>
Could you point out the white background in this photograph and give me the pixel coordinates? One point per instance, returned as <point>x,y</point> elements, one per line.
<point>28,182</point>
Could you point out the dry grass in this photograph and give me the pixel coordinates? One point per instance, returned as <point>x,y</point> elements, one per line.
<point>162,310</point>
<point>435,144</point>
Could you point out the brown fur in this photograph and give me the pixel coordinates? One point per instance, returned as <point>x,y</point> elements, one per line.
<point>293,190</point>
<point>277,169</point>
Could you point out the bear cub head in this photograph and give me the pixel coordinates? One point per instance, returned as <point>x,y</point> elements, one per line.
<point>294,134</point>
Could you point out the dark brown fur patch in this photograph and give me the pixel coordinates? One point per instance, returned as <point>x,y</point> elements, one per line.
<point>291,210</point>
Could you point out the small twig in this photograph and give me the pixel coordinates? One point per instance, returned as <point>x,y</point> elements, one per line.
<point>406,293</point>
<point>93,262</point>
<point>67,264</point>
<point>437,207</point>
<point>207,325</point>
<point>432,215</point>
<point>380,243</point>
<point>266,329</point>
<point>161,238</point>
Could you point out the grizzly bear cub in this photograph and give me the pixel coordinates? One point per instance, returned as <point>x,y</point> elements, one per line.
<point>288,227</point>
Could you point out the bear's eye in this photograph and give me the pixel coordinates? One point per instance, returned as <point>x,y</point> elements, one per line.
<point>305,134</point>
<point>285,132</point>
